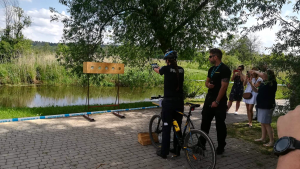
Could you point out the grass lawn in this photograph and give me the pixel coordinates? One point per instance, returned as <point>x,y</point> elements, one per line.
<point>242,131</point>
<point>8,113</point>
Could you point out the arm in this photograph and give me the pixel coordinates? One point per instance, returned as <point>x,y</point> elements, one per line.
<point>257,84</point>
<point>245,81</point>
<point>290,160</point>
<point>222,91</point>
<point>232,78</point>
<point>157,70</point>
<point>243,77</point>
<point>264,76</point>
<point>224,86</point>
<point>207,82</point>
<point>253,87</point>
<point>288,125</point>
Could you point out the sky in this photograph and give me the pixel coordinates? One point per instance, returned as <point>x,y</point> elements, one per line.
<point>44,30</point>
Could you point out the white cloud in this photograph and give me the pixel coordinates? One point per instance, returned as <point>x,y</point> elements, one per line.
<point>27,0</point>
<point>42,29</point>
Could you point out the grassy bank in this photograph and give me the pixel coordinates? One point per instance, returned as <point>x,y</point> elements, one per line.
<point>242,131</point>
<point>7,113</point>
<point>44,69</point>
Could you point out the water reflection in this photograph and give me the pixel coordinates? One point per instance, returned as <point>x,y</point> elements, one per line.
<point>42,96</point>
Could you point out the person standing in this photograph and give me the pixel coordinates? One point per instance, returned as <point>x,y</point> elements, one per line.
<point>265,104</point>
<point>237,89</point>
<point>172,102</point>
<point>256,81</point>
<point>215,104</point>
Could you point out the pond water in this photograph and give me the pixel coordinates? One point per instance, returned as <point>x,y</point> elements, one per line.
<point>42,96</point>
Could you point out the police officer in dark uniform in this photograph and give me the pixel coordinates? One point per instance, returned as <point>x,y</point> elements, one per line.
<point>216,100</point>
<point>172,102</point>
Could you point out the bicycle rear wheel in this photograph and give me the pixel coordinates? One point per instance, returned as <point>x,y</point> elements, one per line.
<point>197,155</point>
<point>155,127</point>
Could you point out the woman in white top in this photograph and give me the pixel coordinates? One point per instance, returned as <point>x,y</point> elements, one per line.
<point>252,101</point>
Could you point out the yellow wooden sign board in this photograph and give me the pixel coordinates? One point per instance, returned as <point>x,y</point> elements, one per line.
<point>103,68</point>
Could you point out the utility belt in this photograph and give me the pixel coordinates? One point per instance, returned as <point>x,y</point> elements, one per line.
<point>173,99</point>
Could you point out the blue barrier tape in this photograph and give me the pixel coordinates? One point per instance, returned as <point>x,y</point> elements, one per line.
<point>71,115</point>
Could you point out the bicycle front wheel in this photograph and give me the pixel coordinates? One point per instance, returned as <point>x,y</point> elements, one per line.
<point>197,154</point>
<point>155,131</point>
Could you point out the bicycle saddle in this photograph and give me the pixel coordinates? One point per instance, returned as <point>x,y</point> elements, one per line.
<point>192,105</point>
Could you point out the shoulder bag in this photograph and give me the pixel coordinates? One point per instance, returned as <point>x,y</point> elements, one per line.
<point>249,95</point>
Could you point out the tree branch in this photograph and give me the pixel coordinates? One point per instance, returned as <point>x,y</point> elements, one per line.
<point>279,17</point>
<point>203,4</point>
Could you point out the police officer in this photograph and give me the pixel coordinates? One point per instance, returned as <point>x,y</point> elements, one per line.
<point>215,104</point>
<point>172,102</point>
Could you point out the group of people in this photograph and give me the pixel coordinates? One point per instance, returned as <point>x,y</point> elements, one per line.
<point>261,87</point>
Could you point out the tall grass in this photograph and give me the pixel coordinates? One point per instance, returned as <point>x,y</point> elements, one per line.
<point>38,69</point>
<point>45,69</point>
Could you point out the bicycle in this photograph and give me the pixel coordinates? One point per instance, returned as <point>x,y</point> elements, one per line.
<point>197,154</point>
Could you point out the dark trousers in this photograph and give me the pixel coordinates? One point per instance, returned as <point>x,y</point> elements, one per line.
<point>219,113</point>
<point>169,108</point>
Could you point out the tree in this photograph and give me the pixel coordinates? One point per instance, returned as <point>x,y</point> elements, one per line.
<point>16,21</point>
<point>286,52</point>
<point>245,47</point>
<point>185,26</point>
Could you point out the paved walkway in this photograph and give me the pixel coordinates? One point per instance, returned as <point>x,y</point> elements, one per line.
<point>109,142</point>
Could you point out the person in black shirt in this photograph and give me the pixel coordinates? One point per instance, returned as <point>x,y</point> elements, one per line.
<point>265,104</point>
<point>172,102</point>
<point>215,104</point>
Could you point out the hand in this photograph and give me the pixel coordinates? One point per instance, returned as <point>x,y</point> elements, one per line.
<point>251,72</point>
<point>249,80</point>
<point>211,86</point>
<point>214,104</point>
<point>288,125</point>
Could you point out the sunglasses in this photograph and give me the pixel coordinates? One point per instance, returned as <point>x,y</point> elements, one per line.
<point>210,56</point>
<point>240,69</point>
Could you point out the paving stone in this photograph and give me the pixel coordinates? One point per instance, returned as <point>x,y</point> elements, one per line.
<point>109,142</point>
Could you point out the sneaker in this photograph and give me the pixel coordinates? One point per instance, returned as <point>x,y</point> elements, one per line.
<point>236,113</point>
<point>158,152</point>
<point>220,151</point>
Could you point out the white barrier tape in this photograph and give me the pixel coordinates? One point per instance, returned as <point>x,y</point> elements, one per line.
<point>71,115</point>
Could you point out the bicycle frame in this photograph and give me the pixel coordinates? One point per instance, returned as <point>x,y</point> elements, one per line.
<point>182,135</point>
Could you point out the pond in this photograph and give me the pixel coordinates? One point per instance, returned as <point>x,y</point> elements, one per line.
<point>43,96</point>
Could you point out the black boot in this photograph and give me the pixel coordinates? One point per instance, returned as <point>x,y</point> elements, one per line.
<point>176,153</point>
<point>220,151</point>
<point>158,152</point>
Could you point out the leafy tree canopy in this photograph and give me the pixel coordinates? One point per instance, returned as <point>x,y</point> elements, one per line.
<point>268,14</point>
<point>185,26</point>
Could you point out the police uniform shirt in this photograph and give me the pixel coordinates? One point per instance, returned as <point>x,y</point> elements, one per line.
<point>223,72</point>
<point>171,81</point>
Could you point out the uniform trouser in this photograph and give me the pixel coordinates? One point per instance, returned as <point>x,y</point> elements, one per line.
<point>219,113</point>
<point>169,112</point>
